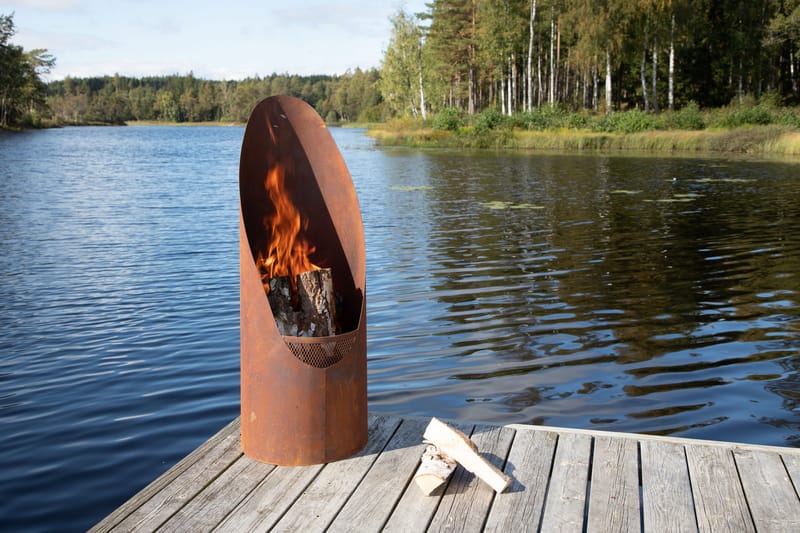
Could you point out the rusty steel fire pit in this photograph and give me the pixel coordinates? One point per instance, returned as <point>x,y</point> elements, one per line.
<point>304,399</point>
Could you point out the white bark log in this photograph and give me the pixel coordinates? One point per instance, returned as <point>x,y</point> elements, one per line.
<point>434,470</point>
<point>458,447</point>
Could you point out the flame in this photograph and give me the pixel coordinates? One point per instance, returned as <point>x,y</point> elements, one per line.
<point>287,253</point>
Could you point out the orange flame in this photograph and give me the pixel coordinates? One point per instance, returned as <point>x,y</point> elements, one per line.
<point>287,253</point>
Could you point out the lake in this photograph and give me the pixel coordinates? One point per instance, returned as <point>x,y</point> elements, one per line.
<point>641,294</point>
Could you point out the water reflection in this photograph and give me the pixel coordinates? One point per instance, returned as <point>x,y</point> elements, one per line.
<point>620,293</point>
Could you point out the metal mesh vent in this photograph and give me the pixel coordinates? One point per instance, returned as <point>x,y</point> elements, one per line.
<point>321,352</point>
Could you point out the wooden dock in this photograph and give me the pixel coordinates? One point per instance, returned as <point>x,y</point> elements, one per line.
<point>563,480</point>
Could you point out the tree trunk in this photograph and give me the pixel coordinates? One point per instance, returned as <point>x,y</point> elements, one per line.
<point>642,76</point>
<point>595,89</point>
<point>609,100</point>
<point>552,98</point>
<point>558,56</point>
<point>671,90</point>
<point>503,93</point>
<point>655,74</point>
<point>421,87</point>
<point>514,85</point>
<point>539,86</point>
<point>529,99</point>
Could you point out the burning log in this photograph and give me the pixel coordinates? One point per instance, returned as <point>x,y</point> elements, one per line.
<point>310,311</point>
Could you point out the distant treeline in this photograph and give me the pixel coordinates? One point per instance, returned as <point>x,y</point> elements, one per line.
<point>353,96</point>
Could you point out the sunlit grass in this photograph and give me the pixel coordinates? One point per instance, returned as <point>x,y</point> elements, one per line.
<point>757,140</point>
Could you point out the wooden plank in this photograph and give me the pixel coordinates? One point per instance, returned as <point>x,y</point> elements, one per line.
<point>520,507</point>
<point>268,502</point>
<point>207,509</point>
<point>415,510</point>
<point>666,489</point>
<point>372,502</point>
<point>224,439</point>
<point>773,502</point>
<point>566,495</point>
<point>316,508</point>
<point>158,509</point>
<point>614,488</point>
<point>720,504</point>
<point>642,437</point>
<point>467,499</point>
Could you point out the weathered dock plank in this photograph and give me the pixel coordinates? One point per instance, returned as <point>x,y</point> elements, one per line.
<point>529,462</point>
<point>562,480</point>
<point>566,498</point>
<point>466,501</point>
<point>720,504</point>
<point>319,504</point>
<point>414,511</point>
<point>667,503</point>
<point>267,503</point>
<point>614,487</point>
<point>157,502</point>
<point>771,496</point>
<point>373,500</point>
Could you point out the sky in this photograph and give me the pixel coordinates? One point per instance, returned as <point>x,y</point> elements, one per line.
<point>227,40</point>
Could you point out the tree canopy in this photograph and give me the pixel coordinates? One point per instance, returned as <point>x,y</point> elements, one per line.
<point>22,91</point>
<point>186,98</point>
<point>467,56</point>
<point>513,55</point>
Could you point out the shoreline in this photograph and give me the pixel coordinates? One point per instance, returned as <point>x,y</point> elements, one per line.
<point>773,141</point>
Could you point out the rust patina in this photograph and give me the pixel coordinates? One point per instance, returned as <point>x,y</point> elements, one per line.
<point>303,400</point>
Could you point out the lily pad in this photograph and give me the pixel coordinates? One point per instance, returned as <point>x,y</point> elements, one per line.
<point>723,180</point>
<point>624,191</point>
<point>411,188</point>
<point>498,205</point>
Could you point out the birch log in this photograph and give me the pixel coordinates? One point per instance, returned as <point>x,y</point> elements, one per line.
<point>434,470</point>
<point>458,447</point>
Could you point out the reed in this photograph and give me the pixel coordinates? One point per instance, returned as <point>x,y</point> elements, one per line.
<point>757,140</point>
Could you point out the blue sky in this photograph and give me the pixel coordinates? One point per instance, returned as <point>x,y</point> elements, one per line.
<point>230,40</point>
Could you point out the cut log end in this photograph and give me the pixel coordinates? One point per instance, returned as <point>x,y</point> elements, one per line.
<point>434,470</point>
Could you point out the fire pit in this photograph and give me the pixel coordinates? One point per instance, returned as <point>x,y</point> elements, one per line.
<point>302,291</point>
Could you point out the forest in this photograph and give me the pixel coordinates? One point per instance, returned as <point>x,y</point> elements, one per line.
<point>469,56</point>
<point>185,98</point>
<point>598,55</point>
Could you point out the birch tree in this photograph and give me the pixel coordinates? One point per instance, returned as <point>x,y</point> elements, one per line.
<point>402,80</point>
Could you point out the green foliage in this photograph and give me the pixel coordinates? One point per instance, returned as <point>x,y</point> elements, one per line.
<point>688,117</point>
<point>550,118</point>
<point>22,92</point>
<point>633,121</point>
<point>709,52</point>
<point>117,99</point>
<point>448,119</point>
<point>739,116</point>
<point>487,120</point>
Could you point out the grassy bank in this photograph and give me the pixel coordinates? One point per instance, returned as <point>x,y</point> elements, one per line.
<point>756,140</point>
<point>757,130</point>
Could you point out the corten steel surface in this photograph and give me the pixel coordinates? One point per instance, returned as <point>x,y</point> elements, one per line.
<point>307,405</point>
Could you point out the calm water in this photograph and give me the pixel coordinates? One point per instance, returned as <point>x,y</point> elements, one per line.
<point>657,295</point>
